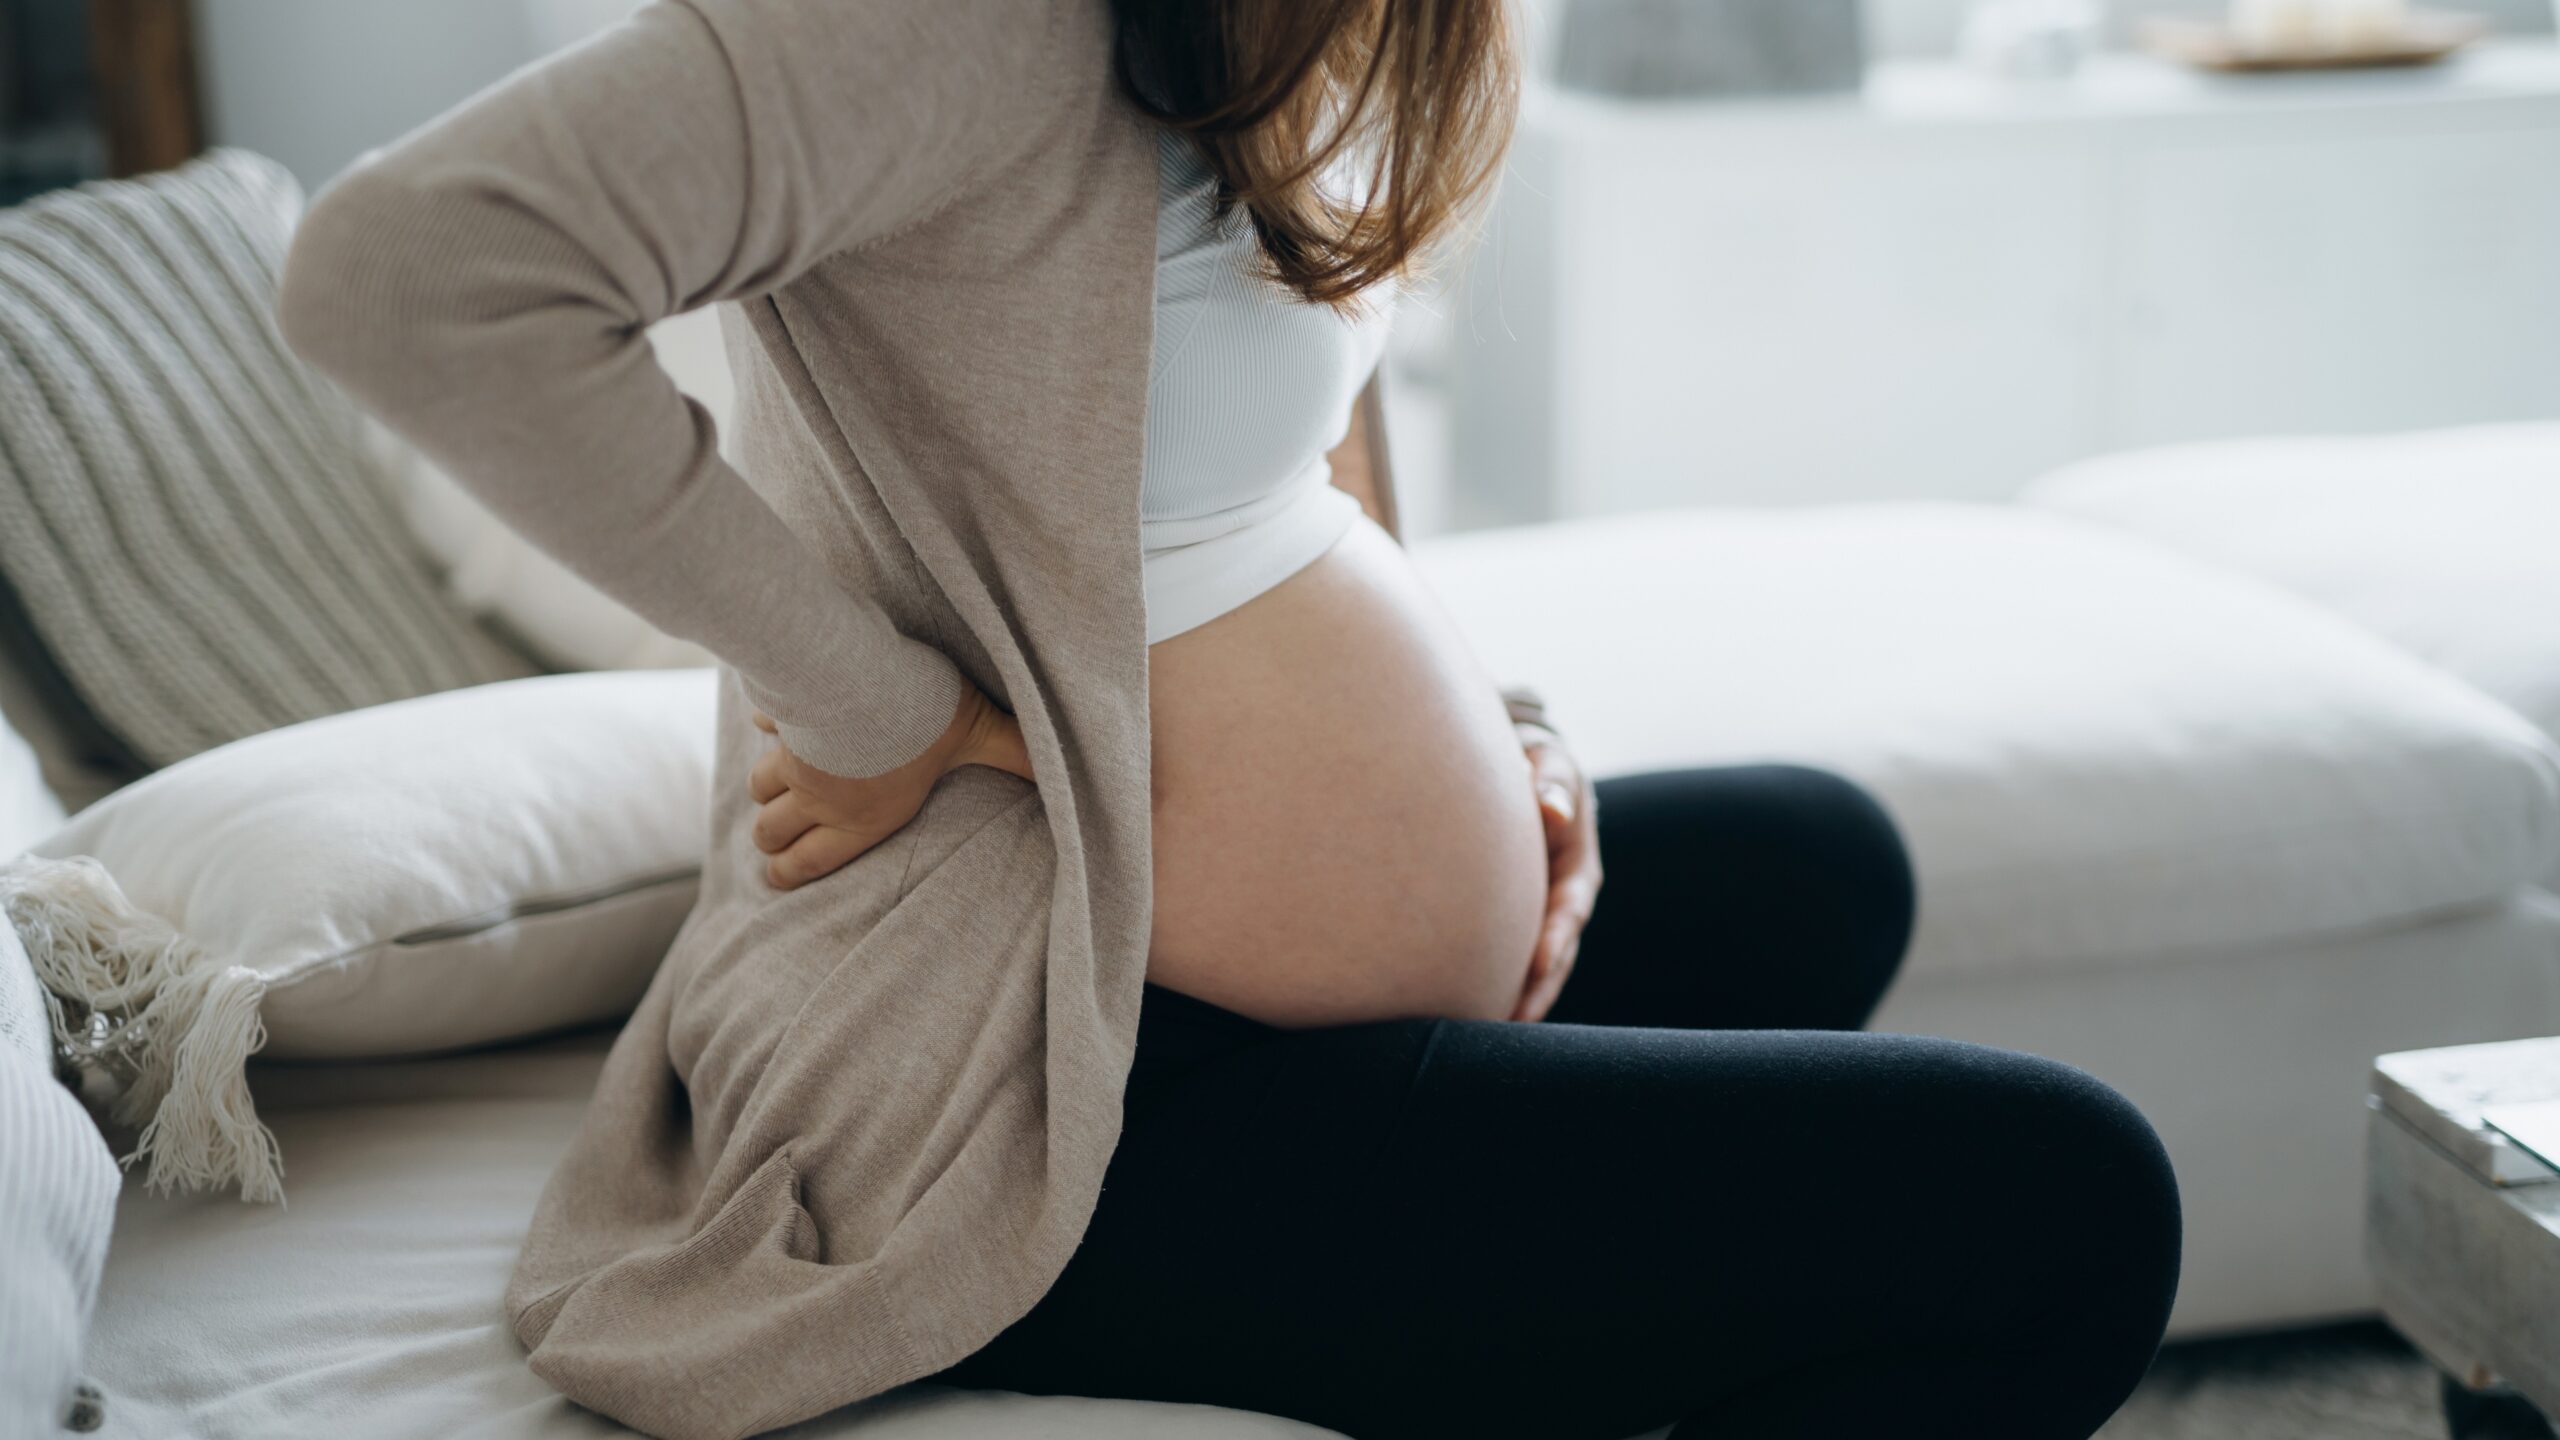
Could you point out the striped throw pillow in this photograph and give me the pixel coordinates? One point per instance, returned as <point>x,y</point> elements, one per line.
<point>190,520</point>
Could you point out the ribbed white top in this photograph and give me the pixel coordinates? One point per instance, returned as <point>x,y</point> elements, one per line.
<point>1250,387</point>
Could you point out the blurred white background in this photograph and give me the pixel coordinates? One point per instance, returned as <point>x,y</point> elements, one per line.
<point>1941,286</point>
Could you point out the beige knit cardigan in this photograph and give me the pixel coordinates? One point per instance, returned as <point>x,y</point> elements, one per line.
<point>853,1130</point>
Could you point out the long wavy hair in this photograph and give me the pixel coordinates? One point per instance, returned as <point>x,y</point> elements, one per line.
<point>1414,98</point>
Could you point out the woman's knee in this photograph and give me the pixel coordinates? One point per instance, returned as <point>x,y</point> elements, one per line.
<point>1821,863</point>
<point>1850,858</point>
<point>2089,1188</point>
<point>2060,1229</point>
<point>1813,839</point>
<point>2113,1142</point>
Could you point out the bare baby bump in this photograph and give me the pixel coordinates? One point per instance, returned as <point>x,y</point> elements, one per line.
<point>1344,824</point>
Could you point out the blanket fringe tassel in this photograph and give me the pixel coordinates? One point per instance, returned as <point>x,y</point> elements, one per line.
<point>136,1001</point>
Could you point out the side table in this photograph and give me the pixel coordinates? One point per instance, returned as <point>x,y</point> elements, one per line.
<point>2462,1230</point>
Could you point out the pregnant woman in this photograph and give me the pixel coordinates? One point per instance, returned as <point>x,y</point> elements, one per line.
<point>1141,953</point>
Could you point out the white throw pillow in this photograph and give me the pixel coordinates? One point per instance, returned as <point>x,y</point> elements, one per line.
<point>451,871</point>
<point>502,579</point>
<point>57,1207</point>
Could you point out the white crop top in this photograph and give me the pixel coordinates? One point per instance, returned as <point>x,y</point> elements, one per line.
<point>1249,389</point>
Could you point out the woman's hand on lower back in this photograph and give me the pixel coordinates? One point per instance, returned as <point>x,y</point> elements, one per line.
<point>814,824</point>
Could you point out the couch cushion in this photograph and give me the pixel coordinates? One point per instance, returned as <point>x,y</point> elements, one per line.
<point>2446,542</point>
<point>2096,748</point>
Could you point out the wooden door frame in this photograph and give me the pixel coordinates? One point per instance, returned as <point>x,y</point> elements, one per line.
<point>143,60</point>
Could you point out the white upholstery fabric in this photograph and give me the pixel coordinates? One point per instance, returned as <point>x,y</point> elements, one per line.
<point>2445,541</point>
<point>2096,748</point>
<point>370,1306</point>
<point>29,810</point>
<point>57,1202</point>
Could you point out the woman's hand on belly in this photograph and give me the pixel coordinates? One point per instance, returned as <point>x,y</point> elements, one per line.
<point>1345,824</point>
<point>814,824</point>
<point>1569,806</point>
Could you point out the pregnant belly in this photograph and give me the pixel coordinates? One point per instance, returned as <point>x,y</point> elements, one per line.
<point>1344,825</point>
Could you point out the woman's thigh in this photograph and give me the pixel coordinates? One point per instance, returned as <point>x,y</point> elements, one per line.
<point>1742,897</point>
<point>1436,1228</point>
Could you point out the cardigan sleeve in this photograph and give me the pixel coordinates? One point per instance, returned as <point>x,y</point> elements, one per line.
<point>484,284</point>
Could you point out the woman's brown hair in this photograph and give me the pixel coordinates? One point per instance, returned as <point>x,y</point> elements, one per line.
<point>1421,92</point>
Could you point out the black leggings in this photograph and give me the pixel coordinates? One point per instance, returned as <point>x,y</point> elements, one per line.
<point>1685,1198</point>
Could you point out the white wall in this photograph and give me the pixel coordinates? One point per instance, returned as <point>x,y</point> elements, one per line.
<point>316,83</point>
<point>563,22</point>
